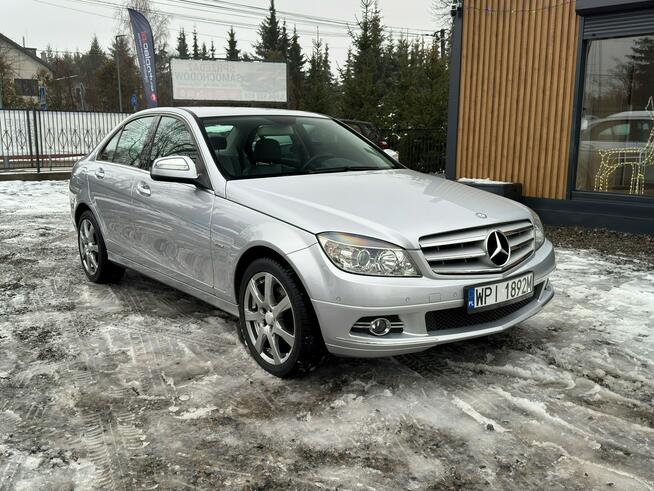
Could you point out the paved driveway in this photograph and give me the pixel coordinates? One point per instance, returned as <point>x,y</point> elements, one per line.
<point>137,386</point>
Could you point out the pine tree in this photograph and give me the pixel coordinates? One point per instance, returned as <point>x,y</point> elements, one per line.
<point>89,65</point>
<point>204,52</point>
<point>232,52</point>
<point>284,42</point>
<point>182,45</point>
<point>318,89</point>
<point>363,83</point>
<point>295,62</point>
<point>268,46</point>
<point>212,51</point>
<point>196,47</point>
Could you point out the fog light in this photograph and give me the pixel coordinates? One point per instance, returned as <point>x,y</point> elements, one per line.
<point>380,327</point>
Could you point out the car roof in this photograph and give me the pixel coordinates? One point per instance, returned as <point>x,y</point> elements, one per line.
<point>216,111</point>
<point>630,115</point>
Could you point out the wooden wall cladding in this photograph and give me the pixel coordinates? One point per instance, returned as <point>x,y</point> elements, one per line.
<point>516,94</point>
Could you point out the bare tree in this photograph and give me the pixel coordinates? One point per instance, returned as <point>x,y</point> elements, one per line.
<point>159,21</point>
<point>7,75</point>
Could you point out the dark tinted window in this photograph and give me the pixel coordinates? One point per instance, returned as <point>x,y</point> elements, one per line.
<point>107,152</point>
<point>263,146</point>
<point>132,140</point>
<point>173,138</point>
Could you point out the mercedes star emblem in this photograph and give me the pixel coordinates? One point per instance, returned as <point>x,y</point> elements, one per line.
<point>498,248</point>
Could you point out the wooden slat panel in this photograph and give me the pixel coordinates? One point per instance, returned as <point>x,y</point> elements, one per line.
<point>517,84</point>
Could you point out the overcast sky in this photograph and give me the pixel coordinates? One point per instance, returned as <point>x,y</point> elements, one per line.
<point>70,24</point>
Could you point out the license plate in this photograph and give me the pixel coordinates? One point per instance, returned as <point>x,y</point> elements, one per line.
<point>493,295</point>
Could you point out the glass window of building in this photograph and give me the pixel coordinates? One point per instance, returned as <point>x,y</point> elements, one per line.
<point>616,141</point>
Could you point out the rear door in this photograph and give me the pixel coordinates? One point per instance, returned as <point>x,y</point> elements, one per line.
<point>172,233</point>
<point>111,178</point>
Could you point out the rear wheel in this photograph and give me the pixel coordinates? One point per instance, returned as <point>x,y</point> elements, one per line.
<point>277,321</point>
<point>93,252</point>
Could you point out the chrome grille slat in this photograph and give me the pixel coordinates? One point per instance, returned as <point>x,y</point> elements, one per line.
<point>462,252</point>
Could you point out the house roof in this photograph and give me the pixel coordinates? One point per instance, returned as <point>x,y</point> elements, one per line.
<point>25,51</point>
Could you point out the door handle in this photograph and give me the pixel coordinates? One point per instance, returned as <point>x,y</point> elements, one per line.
<point>99,173</point>
<point>143,189</point>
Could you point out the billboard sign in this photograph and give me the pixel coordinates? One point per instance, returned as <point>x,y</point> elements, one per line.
<point>221,80</point>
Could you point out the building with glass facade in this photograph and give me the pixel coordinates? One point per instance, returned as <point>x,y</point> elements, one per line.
<point>559,96</point>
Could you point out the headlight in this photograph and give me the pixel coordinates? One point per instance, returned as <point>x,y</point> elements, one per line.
<point>539,230</point>
<point>362,255</point>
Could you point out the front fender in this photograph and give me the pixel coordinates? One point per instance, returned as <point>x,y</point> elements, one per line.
<point>236,229</point>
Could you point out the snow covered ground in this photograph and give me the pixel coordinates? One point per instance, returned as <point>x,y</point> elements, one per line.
<point>137,386</point>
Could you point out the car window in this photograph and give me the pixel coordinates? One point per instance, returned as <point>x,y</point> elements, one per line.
<point>107,152</point>
<point>131,142</point>
<point>219,130</point>
<point>264,146</point>
<point>613,131</point>
<point>173,138</point>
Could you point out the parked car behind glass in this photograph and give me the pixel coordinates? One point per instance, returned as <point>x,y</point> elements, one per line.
<point>312,236</point>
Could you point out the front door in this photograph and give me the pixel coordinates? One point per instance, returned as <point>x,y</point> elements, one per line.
<point>172,226</point>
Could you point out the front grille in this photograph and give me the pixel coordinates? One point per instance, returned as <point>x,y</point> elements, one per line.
<point>442,320</point>
<point>463,251</point>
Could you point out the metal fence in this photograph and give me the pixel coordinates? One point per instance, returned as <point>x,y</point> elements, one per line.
<point>31,138</point>
<point>421,149</point>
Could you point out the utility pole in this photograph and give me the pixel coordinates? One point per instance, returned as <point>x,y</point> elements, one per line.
<point>120,89</point>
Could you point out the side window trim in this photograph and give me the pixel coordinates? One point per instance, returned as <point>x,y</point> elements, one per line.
<point>116,134</point>
<point>119,133</point>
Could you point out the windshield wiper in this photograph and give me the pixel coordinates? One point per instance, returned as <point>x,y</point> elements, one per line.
<point>342,169</point>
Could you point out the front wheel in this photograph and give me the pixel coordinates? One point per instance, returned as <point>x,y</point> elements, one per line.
<point>277,321</point>
<point>93,252</point>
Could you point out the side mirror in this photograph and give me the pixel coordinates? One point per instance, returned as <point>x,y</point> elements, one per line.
<point>176,168</point>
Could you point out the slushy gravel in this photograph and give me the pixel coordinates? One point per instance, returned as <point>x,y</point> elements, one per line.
<point>137,386</point>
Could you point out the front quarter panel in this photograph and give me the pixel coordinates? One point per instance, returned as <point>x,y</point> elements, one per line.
<point>235,229</point>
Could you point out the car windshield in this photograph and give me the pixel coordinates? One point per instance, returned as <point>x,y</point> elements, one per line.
<point>268,146</point>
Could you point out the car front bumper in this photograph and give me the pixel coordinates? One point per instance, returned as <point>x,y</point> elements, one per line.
<point>341,299</point>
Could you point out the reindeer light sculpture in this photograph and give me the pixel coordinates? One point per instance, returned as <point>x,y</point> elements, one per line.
<point>638,158</point>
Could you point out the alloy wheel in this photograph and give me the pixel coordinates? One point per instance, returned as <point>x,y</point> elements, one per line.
<point>88,246</point>
<point>269,318</point>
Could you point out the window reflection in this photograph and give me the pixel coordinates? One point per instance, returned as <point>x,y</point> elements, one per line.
<point>616,143</point>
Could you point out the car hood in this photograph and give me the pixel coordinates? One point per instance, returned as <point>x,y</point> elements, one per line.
<point>398,206</point>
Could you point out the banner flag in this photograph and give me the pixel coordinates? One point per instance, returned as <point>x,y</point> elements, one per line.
<point>144,43</point>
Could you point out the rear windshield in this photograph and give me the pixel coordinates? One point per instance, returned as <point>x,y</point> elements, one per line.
<point>268,146</point>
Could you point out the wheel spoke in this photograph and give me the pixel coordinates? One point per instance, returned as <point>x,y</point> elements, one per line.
<point>92,247</point>
<point>268,290</point>
<point>278,330</point>
<point>93,261</point>
<point>251,316</point>
<point>256,294</point>
<point>85,230</point>
<point>283,305</point>
<point>261,337</point>
<point>274,348</point>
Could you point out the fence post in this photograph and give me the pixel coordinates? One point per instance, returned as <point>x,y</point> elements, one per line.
<point>36,142</point>
<point>29,136</point>
<point>4,149</point>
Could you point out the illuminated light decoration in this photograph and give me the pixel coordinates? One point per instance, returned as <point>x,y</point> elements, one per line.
<point>636,158</point>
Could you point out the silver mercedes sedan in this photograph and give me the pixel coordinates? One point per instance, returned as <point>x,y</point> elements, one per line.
<point>309,233</point>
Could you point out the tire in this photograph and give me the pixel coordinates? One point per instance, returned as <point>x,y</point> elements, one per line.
<point>268,321</point>
<point>93,252</point>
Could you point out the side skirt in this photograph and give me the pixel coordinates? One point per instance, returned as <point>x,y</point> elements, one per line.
<point>219,303</point>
